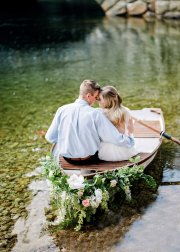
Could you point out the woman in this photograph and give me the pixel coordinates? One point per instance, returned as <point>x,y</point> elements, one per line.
<point>111,104</point>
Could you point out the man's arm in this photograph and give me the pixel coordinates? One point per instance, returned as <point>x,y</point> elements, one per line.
<point>52,133</point>
<point>130,127</point>
<point>109,133</point>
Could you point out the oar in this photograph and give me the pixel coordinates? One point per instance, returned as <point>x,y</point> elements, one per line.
<point>162,133</point>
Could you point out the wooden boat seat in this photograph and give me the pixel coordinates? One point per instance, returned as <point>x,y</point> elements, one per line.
<point>102,165</point>
<point>143,132</point>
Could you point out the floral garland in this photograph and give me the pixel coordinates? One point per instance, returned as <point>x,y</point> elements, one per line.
<point>77,199</point>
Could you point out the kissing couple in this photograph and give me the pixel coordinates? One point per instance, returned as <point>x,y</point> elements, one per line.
<point>83,134</point>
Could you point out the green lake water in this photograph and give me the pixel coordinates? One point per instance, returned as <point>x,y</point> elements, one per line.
<point>42,63</point>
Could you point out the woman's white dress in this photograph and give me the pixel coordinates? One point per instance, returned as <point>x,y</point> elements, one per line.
<point>111,152</point>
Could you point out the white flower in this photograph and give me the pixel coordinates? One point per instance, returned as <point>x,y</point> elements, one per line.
<point>98,195</point>
<point>96,199</point>
<point>48,158</point>
<point>76,182</point>
<point>93,202</point>
<point>113,183</point>
<point>51,174</point>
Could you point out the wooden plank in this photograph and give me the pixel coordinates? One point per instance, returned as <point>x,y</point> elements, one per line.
<point>142,131</point>
<point>100,166</point>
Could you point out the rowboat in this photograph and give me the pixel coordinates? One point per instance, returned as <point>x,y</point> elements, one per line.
<point>149,122</point>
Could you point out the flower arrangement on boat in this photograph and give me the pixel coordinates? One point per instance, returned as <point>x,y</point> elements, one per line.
<point>76,199</point>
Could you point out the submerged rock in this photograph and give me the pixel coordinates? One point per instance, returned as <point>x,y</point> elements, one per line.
<point>31,233</point>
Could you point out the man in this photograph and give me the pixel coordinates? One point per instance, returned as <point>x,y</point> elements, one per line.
<point>77,129</point>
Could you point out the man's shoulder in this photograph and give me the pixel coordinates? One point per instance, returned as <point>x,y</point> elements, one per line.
<point>67,105</point>
<point>98,112</point>
<point>64,107</point>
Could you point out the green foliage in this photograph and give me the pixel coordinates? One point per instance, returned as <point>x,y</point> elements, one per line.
<point>76,199</point>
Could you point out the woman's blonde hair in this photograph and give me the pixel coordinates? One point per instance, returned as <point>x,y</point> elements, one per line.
<point>113,108</point>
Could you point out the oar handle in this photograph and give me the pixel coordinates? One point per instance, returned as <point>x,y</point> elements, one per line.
<point>167,136</point>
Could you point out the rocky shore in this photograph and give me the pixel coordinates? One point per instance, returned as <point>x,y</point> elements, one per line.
<point>169,9</point>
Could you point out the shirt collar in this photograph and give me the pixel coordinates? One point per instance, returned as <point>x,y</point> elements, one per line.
<point>81,101</point>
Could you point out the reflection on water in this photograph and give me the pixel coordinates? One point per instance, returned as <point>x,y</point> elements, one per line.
<point>95,240</point>
<point>172,165</point>
<point>43,62</point>
<point>141,59</point>
<point>158,228</point>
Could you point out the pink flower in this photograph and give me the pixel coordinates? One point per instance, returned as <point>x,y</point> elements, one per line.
<point>85,202</point>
